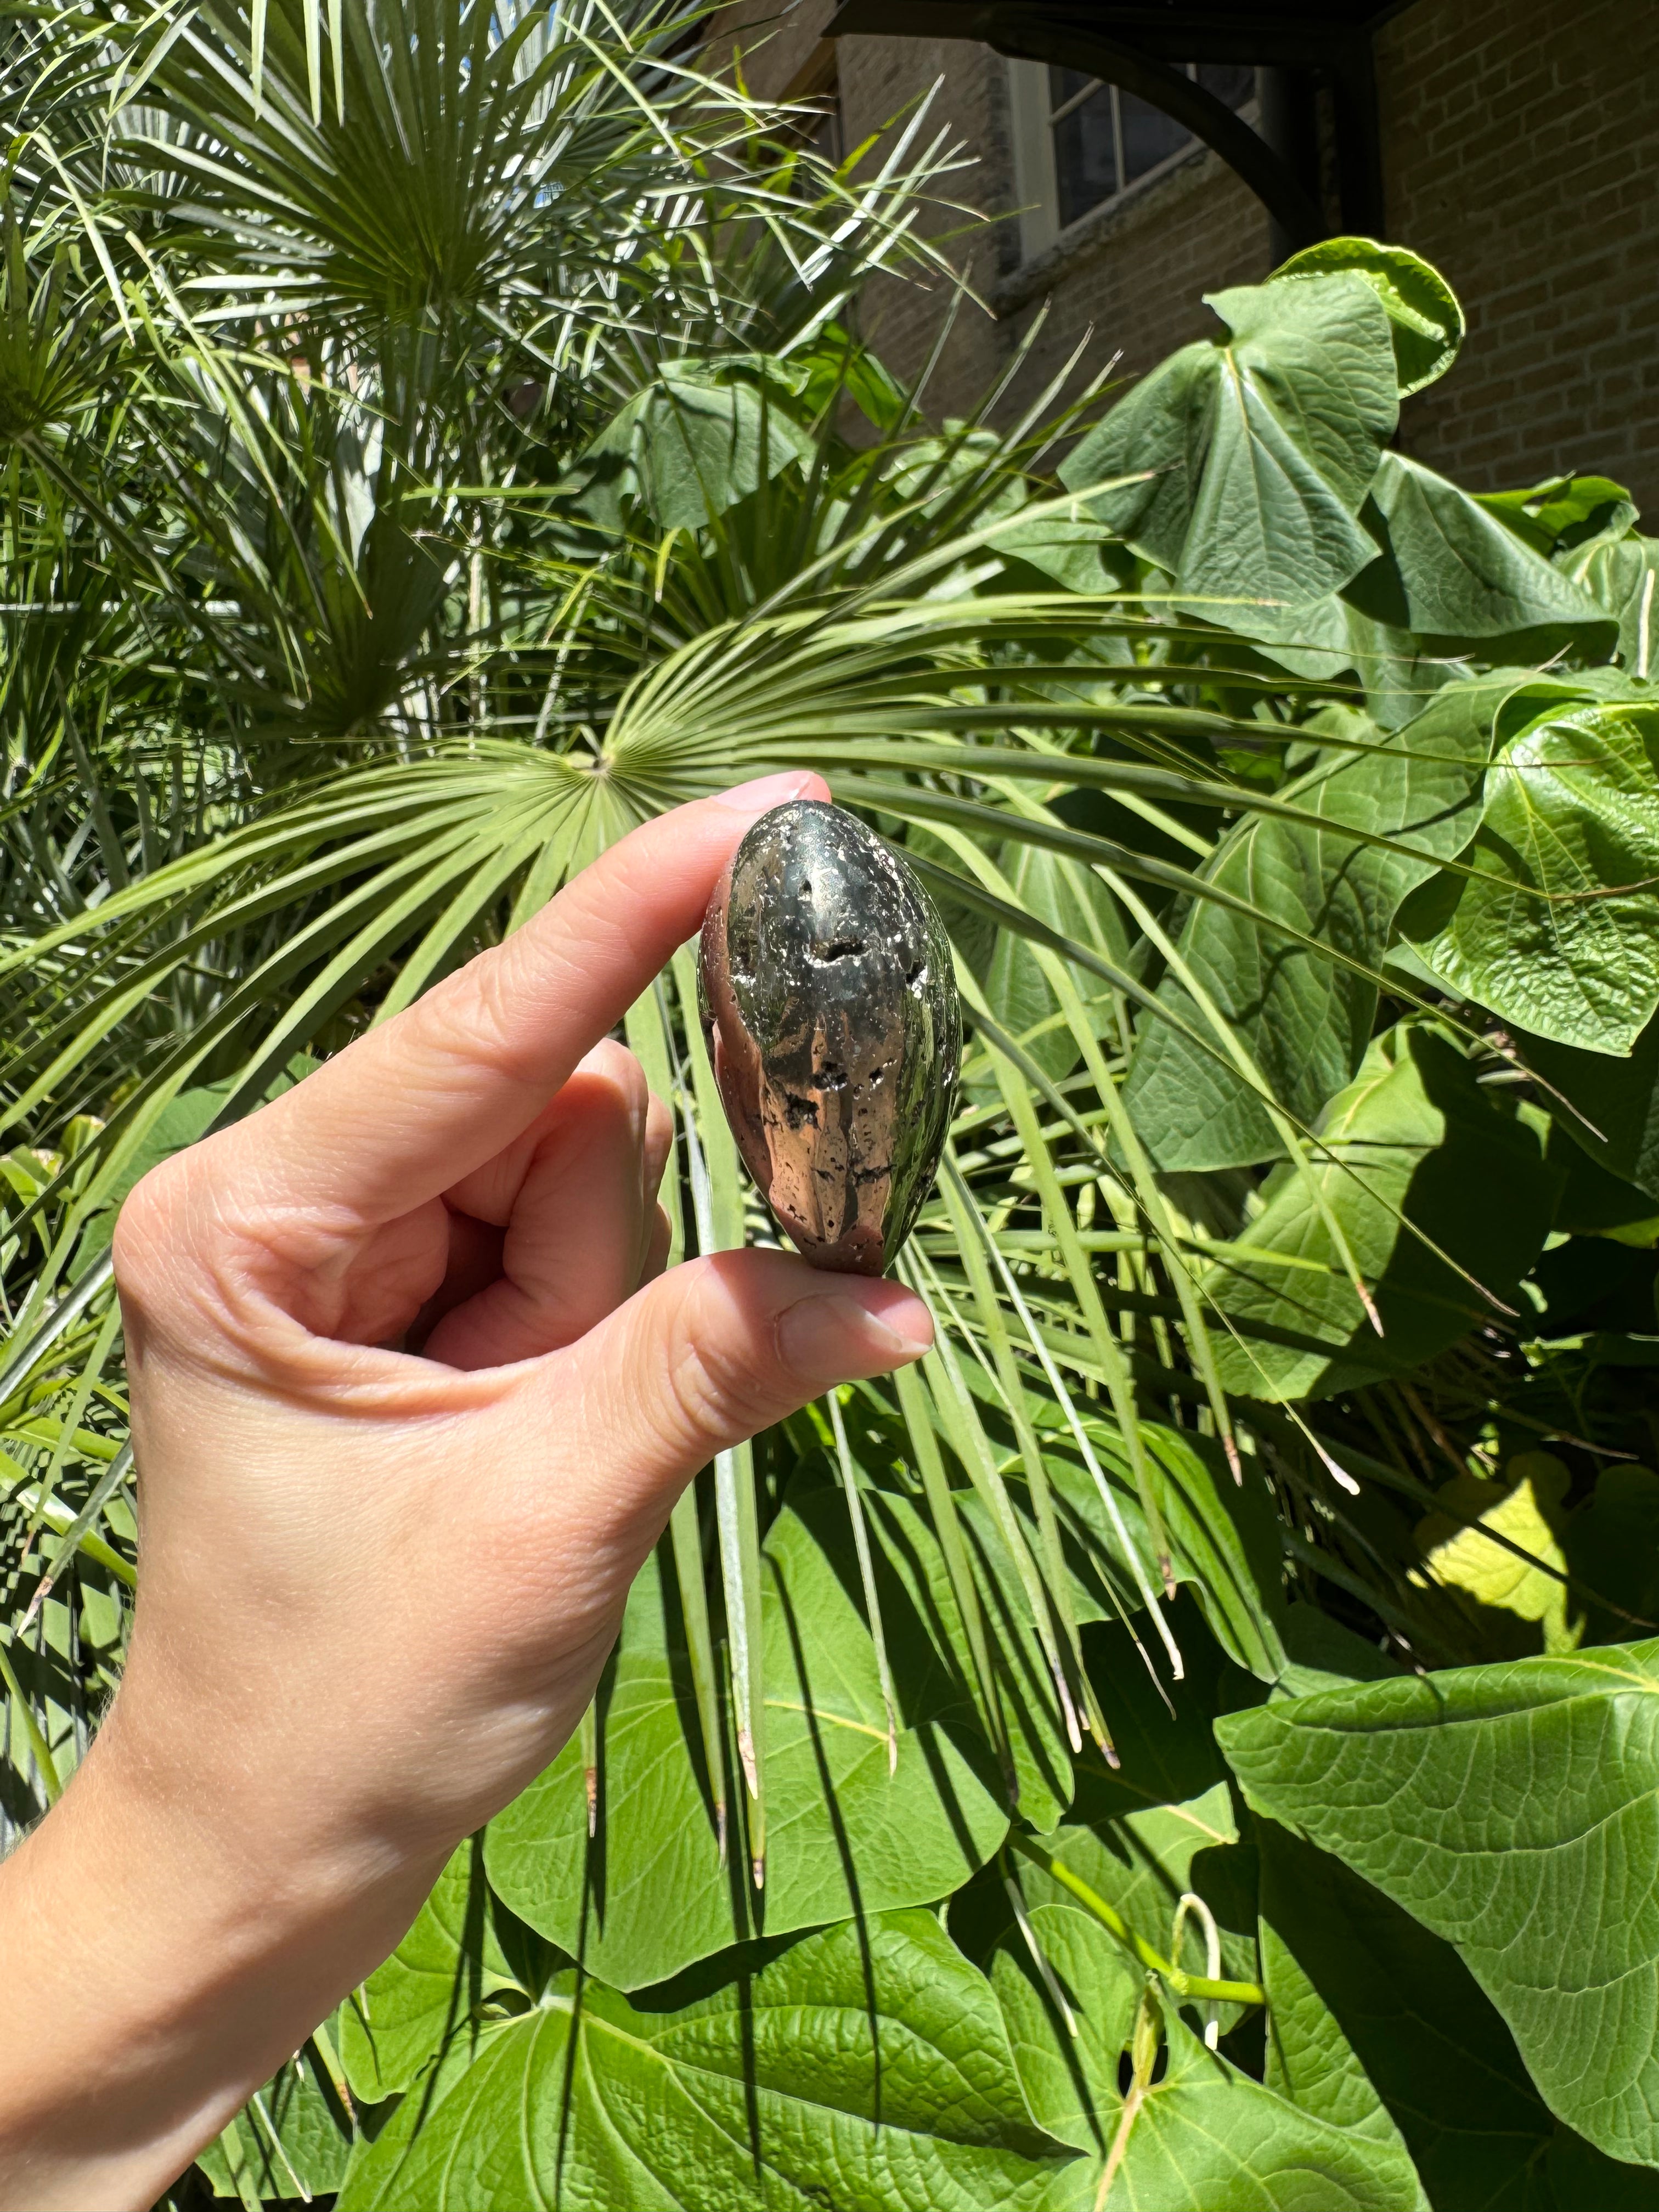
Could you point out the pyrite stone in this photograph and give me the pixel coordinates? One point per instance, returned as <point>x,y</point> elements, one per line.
<point>831,1012</point>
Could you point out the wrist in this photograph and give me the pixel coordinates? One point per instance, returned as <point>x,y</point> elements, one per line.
<point>257,1796</point>
<point>147,1934</point>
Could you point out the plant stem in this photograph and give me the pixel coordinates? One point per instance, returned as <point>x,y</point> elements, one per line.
<point>1199,1986</point>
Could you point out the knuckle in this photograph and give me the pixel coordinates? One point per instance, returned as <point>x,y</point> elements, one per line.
<point>715,1395</point>
<point>147,1226</point>
<point>476,1018</point>
<point>614,1060</point>
<point>613,1071</point>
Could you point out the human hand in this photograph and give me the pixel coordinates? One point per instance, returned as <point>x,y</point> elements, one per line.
<point>378,1584</point>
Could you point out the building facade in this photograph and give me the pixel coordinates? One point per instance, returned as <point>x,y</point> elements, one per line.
<point>1520,153</point>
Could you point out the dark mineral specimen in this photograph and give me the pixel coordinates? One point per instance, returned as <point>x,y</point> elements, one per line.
<point>830,1011</point>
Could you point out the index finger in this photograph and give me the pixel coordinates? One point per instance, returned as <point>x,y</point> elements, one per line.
<point>409,1109</point>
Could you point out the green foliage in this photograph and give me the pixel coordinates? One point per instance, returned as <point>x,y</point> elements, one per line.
<point>1383,2024</point>
<point>293,2140</point>
<point>843,1831</point>
<point>1261,447</point>
<point>1451,573</point>
<point>1608,1105</point>
<point>1502,1807</point>
<point>868,2059</point>
<point>439,1988</point>
<point>1554,926</point>
<point>1443,1200</point>
<point>1526,1573</point>
<point>437,438</point>
<point>1205,2134</point>
<point>1425,320</point>
<point>1304,1019</point>
<point>695,441</point>
<point>1309,2061</point>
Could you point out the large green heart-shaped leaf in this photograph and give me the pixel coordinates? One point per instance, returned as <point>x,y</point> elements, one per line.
<point>1143,1834</point>
<point>1514,1811</point>
<point>1260,445</point>
<point>1452,572</point>
<point>1447,578</point>
<point>1304,1019</point>
<point>1566,519</point>
<point>865,2067</point>
<point>1525,1509</point>
<point>1608,1106</point>
<point>1310,2063</point>
<point>438,1980</point>
<point>1622,578</point>
<point>291,2141</point>
<point>1424,319</point>
<point>1206,2135</point>
<point>1379,2026</point>
<point>694,442</point>
<point>1415,1136</point>
<point>1400,672</point>
<point>650,1891</point>
<point>1146,1832</point>
<point>1572,812</point>
<point>1140,1857</point>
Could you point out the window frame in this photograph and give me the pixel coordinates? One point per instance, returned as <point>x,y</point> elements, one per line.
<point>1037,181</point>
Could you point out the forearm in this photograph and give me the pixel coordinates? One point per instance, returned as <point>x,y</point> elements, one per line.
<point>429,1557</point>
<point>159,1963</point>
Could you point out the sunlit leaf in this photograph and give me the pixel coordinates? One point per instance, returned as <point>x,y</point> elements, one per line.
<point>868,2062</point>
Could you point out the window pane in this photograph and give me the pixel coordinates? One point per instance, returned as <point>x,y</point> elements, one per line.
<point>1231,81</point>
<point>1065,84</point>
<point>1149,137</point>
<point>1085,159</point>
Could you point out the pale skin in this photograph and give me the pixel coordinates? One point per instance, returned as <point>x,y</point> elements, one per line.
<point>412,1399</point>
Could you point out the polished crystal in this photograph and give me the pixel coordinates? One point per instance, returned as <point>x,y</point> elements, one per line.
<point>830,1008</point>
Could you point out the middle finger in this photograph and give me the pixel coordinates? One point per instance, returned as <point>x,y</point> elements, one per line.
<point>573,1201</point>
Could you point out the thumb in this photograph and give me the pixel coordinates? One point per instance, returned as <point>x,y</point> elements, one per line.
<point>717,1350</point>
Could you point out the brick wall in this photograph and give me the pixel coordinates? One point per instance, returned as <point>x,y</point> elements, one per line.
<point>880,82</point>
<point>1137,275</point>
<point>1522,155</point>
<point>779,48</point>
<point>1521,152</point>
<point>1130,282</point>
<point>965,86</point>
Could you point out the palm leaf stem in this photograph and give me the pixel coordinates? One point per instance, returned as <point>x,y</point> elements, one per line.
<point>734,1489</point>
<point>941,1506</point>
<point>961,1422</point>
<point>855,1514</point>
<point>650,1033</point>
<point>973,1237</point>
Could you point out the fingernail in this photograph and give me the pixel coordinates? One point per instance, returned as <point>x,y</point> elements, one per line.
<point>841,1334</point>
<point>767,791</point>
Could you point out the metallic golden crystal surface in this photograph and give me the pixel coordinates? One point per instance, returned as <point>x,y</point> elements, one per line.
<point>831,1012</point>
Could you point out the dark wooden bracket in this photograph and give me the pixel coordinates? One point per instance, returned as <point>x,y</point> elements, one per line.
<point>1032,36</point>
<point>1136,47</point>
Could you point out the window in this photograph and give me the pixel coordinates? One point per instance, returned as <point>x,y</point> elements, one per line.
<point>1079,143</point>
